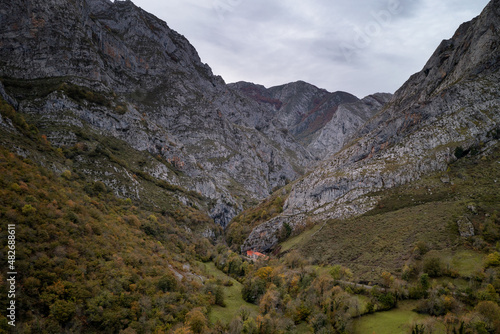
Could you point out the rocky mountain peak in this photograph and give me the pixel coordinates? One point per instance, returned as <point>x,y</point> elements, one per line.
<point>87,69</point>
<point>312,115</point>
<point>472,50</point>
<point>451,104</point>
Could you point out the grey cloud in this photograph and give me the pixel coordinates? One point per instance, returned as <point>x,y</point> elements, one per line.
<point>361,46</point>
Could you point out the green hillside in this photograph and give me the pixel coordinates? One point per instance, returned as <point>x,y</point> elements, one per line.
<point>417,218</point>
<point>90,262</point>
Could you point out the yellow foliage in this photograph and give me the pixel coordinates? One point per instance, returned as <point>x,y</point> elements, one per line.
<point>264,272</point>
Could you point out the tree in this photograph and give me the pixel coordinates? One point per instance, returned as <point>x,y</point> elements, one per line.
<point>387,301</point>
<point>285,231</point>
<point>249,326</point>
<point>387,279</point>
<point>424,281</point>
<point>433,267</point>
<point>492,260</point>
<point>167,283</point>
<point>183,330</point>
<point>418,329</point>
<point>264,273</point>
<point>253,289</point>
<point>339,272</point>
<point>491,313</point>
<point>196,321</point>
<point>269,301</point>
<point>62,310</point>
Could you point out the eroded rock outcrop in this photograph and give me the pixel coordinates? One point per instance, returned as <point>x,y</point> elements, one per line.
<point>322,121</point>
<point>453,102</point>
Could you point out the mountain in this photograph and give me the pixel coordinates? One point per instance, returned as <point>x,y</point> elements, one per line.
<point>448,108</point>
<point>95,72</point>
<point>133,181</point>
<point>320,120</point>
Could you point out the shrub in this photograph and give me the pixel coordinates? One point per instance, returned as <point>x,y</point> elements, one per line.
<point>253,289</point>
<point>249,326</point>
<point>420,249</point>
<point>285,232</point>
<point>28,209</point>
<point>418,329</point>
<point>167,283</point>
<point>416,292</point>
<point>217,293</point>
<point>387,301</point>
<point>491,313</point>
<point>71,216</point>
<point>62,310</point>
<point>269,301</point>
<point>15,187</point>
<point>339,272</point>
<point>264,273</point>
<point>66,174</point>
<point>99,187</point>
<point>370,307</point>
<point>409,272</point>
<point>460,152</point>
<point>433,267</point>
<point>197,321</point>
<point>424,281</point>
<point>492,260</point>
<point>302,313</point>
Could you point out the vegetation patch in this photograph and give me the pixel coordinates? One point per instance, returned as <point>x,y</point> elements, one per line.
<point>91,262</point>
<point>302,238</point>
<point>398,320</point>
<point>242,224</point>
<point>233,300</point>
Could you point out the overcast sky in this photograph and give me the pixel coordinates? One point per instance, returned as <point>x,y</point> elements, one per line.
<point>358,46</point>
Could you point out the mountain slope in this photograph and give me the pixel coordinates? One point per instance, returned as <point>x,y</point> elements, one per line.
<point>449,107</point>
<point>89,262</point>
<point>445,212</point>
<point>111,69</point>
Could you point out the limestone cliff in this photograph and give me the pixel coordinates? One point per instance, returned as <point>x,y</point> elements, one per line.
<point>450,106</point>
<point>322,121</point>
<point>81,68</point>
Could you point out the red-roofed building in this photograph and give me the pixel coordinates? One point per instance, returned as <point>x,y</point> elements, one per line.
<point>255,255</point>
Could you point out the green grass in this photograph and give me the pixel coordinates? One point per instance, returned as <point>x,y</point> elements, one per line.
<point>294,241</point>
<point>466,262</point>
<point>369,245</point>
<point>394,321</point>
<point>302,328</point>
<point>232,297</point>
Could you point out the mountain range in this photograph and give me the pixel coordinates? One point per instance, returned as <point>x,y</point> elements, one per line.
<point>122,73</point>
<point>107,96</point>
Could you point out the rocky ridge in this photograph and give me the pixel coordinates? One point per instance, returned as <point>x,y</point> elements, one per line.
<point>322,121</point>
<point>449,107</point>
<point>85,68</point>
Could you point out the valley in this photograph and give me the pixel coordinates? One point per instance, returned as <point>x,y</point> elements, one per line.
<point>138,181</point>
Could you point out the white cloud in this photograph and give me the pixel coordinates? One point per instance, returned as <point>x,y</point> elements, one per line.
<point>273,42</point>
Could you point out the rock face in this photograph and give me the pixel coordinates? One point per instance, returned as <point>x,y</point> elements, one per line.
<point>453,102</point>
<point>345,123</point>
<point>322,121</point>
<point>112,69</point>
